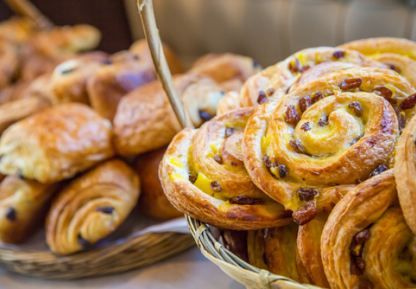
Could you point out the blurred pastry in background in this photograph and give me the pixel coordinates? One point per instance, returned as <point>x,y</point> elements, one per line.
<point>23,204</point>
<point>56,143</point>
<point>91,207</point>
<point>9,62</point>
<point>126,71</point>
<point>19,109</point>
<point>145,121</point>
<point>153,202</point>
<point>45,49</point>
<point>17,29</point>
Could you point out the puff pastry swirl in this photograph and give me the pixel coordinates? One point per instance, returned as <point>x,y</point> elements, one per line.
<point>307,150</point>
<point>56,143</point>
<point>91,207</point>
<point>366,242</point>
<point>203,175</point>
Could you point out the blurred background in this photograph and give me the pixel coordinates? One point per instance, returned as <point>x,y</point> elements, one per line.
<point>268,30</point>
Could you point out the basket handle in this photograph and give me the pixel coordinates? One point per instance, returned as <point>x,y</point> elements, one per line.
<point>156,49</point>
<point>27,9</point>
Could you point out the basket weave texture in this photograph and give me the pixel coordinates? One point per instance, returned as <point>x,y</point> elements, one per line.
<point>140,251</point>
<point>239,270</point>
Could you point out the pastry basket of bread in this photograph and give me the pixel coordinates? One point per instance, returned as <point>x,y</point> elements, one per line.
<point>305,178</point>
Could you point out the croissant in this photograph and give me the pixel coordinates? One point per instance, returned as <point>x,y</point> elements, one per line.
<point>56,143</point>
<point>45,49</point>
<point>91,207</point>
<point>405,171</point>
<point>16,110</point>
<point>381,246</point>
<point>126,71</point>
<point>399,54</point>
<point>9,62</point>
<point>145,120</point>
<point>275,81</point>
<point>328,134</point>
<point>153,202</point>
<point>22,204</point>
<point>203,175</point>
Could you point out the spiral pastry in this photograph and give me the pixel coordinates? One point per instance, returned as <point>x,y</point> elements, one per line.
<point>203,175</point>
<point>91,207</point>
<point>381,247</point>
<point>22,207</point>
<point>275,81</point>
<point>405,170</point>
<point>398,54</point>
<point>326,135</point>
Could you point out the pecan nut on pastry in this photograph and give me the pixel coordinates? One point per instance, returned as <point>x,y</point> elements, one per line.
<point>203,175</point>
<point>325,136</point>
<point>91,207</point>
<point>399,54</point>
<point>56,143</point>
<point>126,71</point>
<point>275,249</point>
<point>153,202</point>
<point>145,120</point>
<point>366,242</point>
<point>405,170</point>
<point>22,206</point>
<point>275,81</point>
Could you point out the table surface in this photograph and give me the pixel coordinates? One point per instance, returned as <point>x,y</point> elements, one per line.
<point>188,270</point>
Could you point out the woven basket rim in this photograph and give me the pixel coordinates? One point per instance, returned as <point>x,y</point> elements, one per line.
<point>207,243</point>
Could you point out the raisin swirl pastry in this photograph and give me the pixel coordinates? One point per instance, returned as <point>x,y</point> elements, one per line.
<point>405,171</point>
<point>91,207</point>
<point>275,250</point>
<point>399,54</point>
<point>203,175</point>
<point>381,247</point>
<point>306,151</point>
<point>275,81</point>
<point>56,143</point>
<point>22,206</point>
<point>145,120</point>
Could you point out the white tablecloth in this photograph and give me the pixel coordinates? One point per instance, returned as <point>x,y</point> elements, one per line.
<point>188,270</point>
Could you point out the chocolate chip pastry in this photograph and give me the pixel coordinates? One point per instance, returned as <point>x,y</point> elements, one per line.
<point>313,146</point>
<point>277,80</point>
<point>203,175</point>
<point>56,143</point>
<point>124,72</point>
<point>91,207</point>
<point>23,205</point>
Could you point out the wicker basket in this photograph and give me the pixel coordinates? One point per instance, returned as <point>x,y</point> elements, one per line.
<point>233,266</point>
<point>140,251</point>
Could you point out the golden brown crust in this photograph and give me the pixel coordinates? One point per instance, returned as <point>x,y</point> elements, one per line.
<point>17,29</point>
<point>309,248</point>
<point>91,207</point>
<point>376,46</point>
<point>145,120</point>
<point>349,145</point>
<point>405,171</point>
<point>16,110</point>
<point>111,82</point>
<point>221,192</point>
<point>277,79</point>
<point>56,143</point>
<point>360,208</point>
<point>225,67</point>
<point>153,201</point>
<point>22,207</point>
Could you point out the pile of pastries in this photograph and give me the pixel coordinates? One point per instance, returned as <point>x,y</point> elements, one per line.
<point>79,129</point>
<point>310,169</point>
